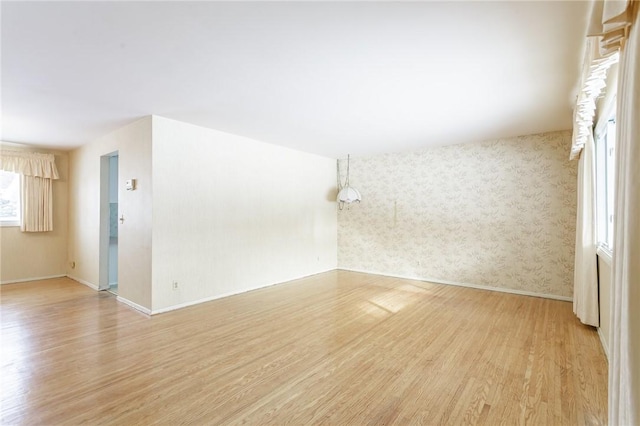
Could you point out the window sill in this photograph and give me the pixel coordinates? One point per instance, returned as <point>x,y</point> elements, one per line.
<point>8,223</point>
<point>604,253</point>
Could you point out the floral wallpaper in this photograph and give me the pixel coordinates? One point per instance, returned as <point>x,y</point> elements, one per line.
<point>498,213</point>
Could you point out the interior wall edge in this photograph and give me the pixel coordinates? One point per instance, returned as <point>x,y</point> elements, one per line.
<point>85,282</point>
<point>469,285</point>
<point>134,305</point>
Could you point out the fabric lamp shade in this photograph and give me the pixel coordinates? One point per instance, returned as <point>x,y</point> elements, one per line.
<point>349,195</point>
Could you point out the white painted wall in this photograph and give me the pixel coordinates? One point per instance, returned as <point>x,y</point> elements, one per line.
<point>31,255</point>
<point>134,240</point>
<point>232,214</point>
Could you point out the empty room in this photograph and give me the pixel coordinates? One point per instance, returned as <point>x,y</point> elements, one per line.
<point>320,212</point>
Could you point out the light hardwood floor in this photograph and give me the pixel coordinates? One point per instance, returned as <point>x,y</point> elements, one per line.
<point>337,348</point>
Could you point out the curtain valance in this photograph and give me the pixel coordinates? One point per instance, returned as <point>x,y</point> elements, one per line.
<point>592,82</point>
<point>29,164</point>
<point>608,29</point>
<point>611,22</point>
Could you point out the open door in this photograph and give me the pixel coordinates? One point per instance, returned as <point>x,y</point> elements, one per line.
<point>109,222</point>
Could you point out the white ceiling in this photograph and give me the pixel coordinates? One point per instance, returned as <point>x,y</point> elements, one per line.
<point>328,78</point>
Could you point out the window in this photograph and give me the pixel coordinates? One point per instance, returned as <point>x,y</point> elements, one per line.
<point>9,199</point>
<point>605,181</point>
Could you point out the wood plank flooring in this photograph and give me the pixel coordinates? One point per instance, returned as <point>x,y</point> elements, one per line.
<point>335,348</point>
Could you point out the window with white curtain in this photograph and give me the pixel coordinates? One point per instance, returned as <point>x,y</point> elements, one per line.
<point>605,181</point>
<point>9,198</point>
<point>28,189</point>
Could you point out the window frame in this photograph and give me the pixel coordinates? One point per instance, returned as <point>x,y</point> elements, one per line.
<point>605,141</point>
<point>14,222</point>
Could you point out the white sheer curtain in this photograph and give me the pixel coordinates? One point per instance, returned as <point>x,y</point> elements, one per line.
<point>596,64</point>
<point>616,25</point>
<point>624,363</point>
<point>37,174</point>
<point>585,286</point>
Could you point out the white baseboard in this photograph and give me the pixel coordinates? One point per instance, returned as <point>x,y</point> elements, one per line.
<point>477,286</point>
<point>232,293</point>
<point>26,280</point>
<point>603,341</point>
<point>134,305</point>
<point>207,299</point>
<point>87,283</point>
<point>118,298</point>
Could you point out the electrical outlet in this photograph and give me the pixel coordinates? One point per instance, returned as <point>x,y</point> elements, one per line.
<point>175,285</point>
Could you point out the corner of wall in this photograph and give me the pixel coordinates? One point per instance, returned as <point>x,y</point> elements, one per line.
<point>133,144</point>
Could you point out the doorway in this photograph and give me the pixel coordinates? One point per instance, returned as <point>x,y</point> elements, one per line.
<point>109,222</point>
